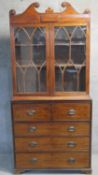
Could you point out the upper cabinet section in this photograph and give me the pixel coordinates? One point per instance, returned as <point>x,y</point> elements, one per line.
<point>50,52</point>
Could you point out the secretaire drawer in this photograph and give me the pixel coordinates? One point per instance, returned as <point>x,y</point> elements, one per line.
<point>31,112</point>
<point>52,160</point>
<point>51,144</point>
<point>71,111</point>
<point>52,129</point>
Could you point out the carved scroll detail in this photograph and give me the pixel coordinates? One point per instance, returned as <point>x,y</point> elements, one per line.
<point>29,10</point>
<point>32,7</point>
<point>68,8</point>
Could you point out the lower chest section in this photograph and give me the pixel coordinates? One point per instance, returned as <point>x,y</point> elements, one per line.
<point>52,135</point>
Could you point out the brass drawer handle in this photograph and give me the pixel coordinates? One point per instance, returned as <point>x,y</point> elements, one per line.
<point>71,160</point>
<point>33,160</point>
<point>31,113</point>
<point>32,129</point>
<point>71,112</point>
<point>71,144</point>
<point>33,144</point>
<point>71,129</point>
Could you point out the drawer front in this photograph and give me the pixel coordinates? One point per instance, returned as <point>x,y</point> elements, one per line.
<point>31,112</point>
<point>52,160</point>
<point>51,144</point>
<point>52,129</point>
<point>71,111</point>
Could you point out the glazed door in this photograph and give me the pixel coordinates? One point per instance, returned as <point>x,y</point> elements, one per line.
<point>70,59</point>
<point>31,53</point>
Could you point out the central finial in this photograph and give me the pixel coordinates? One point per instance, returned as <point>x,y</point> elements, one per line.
<point>49,10</point>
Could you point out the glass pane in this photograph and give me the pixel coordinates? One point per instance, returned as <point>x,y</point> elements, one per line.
<point>29,31</point>
<point>61,54</point>
<point>23,55</point>
<point>61,36</point>
<point>21,36</point>
<point>70,30</point>
<point>39,54</point>
<point>70,79</point>
<point>78,54</point>
<point>78,34</point>
<point>58,79</point>
<point>82,79</point>
<point>30,46</point>
<point>31,80</point>
<point>61,45</point>
<point>78,48</point>
<point>19,80</point>
<point>39,36</point>
<point>43,79</point>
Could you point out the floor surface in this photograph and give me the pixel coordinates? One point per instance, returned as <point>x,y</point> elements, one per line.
<point>6,164</point>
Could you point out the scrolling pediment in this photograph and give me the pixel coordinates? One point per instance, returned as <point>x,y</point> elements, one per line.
<point>31,15</point>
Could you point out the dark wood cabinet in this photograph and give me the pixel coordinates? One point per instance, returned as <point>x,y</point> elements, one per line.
<point>51,107</point>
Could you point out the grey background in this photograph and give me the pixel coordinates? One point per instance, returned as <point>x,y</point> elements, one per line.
<point>5,65</point>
